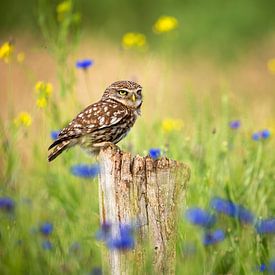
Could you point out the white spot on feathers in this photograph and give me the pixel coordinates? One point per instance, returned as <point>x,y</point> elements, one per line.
<point>101,120</point>
<point>113,120</point>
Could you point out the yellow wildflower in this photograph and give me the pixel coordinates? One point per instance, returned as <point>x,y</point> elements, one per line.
<point>165,24</point>
<point>41,102</point>
<point>23,119</point>
<point>49,89</point>
<point>44,91</point>
<point>271,65</point>
<point>20,57</point>
<point>132,39</point>
<point>43,88</point>
<point>64,7</point>
<point>169,125</point>
<point>39,86</point>
<point>6,51</point>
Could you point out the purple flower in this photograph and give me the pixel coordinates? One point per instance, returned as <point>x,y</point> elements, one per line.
<point>235,124</point>
<point>46,228</point>
<point>47,245</point>
<point>265,226</point>
<point>6,204</point>
<point>154,153</point>
<point>54,134</point>
<point>85,171</point>
<point>214,237</point>
<point>265,134</point>
<point>200,217</point>
<point>84,64</point>
<point>124,240</point>
<point>231,209</point>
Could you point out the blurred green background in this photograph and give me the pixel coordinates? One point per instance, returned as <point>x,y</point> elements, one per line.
<point>215,67</point>
<point>220,28</point>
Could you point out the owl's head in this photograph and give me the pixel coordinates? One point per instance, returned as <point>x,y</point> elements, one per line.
<point>126,92</point>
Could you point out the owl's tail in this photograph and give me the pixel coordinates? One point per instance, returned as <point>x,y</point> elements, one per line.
<point>59,147</point>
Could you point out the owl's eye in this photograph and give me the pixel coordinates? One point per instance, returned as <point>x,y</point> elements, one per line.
<point>122,92</point>
<point>139,92</point>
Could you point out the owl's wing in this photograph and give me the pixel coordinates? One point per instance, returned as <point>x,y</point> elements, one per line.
<point>96,116</point>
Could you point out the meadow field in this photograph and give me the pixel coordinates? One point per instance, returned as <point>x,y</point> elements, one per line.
<point>211,108</point>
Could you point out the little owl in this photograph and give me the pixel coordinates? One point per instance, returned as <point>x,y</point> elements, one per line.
<point>103,123</point>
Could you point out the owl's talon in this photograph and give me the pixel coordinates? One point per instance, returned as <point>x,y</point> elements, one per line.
<point>105,145</point>
<point>112,145</point>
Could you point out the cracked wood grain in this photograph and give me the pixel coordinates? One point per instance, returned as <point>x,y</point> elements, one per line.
<point>146,192</point>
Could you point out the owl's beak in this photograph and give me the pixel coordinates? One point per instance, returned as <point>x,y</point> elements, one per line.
<point>134,98</point>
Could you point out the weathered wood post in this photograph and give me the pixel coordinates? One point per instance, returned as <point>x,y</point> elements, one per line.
<point>146,191</point>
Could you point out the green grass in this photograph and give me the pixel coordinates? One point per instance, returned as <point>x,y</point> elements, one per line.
<point>227,163</point>
<point>224,162</point>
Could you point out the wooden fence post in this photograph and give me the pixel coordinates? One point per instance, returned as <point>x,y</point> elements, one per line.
<point>148,192</point>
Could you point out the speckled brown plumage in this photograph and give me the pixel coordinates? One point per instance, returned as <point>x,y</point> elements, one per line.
<point>106,121</point>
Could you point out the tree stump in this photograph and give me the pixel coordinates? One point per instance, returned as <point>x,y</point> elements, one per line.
<point>147,192</point>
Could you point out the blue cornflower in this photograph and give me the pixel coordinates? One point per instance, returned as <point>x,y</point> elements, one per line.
<point>124,240</point>
<point>231,209</point>
<point>265,134</point>
<point>104,232</point>
<point>261,268</point>
<point>154,153</point>
<point>223,206</point>
<point>256,136</point>
<point>200,217</point>
<point>6,204</point>
<point>266,226</point>
<point>47,245</point>
<point>84,64</point>
<point>214,237</point>
<point>235,124</point>
<point>85,171</point>
<point>54,134</point>
<point>46,228</point>
<point>245,215</point>
<point>270,267</point>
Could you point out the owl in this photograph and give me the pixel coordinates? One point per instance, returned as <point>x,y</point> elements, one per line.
<point>103,123</point>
